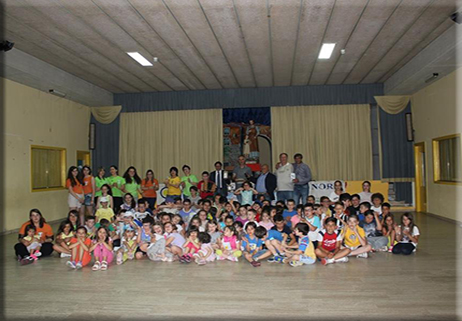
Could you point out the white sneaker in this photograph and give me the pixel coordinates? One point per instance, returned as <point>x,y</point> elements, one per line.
<point>64,255</point>
<point>38,254</point>
<point>342,260</point>
<point>362,255</point>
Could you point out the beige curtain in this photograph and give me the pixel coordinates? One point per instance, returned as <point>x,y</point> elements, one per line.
<point>335,141</point>
<point>106,114</point>
<point>392,104</point>
<point>160,140</point>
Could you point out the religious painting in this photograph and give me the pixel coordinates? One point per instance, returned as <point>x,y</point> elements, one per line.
<point>247,131</point>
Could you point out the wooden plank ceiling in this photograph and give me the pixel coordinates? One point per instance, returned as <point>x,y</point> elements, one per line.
<point>213,44</point>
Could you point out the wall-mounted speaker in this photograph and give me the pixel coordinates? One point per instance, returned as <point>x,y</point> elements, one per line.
<point>409,128</point>
<point>91,137</point>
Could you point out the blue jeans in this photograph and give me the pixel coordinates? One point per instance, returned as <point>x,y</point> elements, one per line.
<point>285,195</point>
<point>301,191</point>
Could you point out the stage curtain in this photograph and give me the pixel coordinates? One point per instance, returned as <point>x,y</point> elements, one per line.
<point>392,104</point>
<point>160,140</point>
<point>335,140</point>
<point>106,114</point>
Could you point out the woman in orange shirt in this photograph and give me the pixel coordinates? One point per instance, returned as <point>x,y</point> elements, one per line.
<point>76,196</point>
<point>89,190</point>
<point>44,232</point>
<point>149,186</point>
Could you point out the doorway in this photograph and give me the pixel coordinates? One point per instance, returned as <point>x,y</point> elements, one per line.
<point>264,144</point>
<point>83,158</point>
<point>420,177</point>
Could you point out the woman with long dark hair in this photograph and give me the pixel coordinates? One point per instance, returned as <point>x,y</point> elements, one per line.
<point>117,184</point>
<point>149,186</point>
<point>42,229</point>
<point>407,235</point>
<point>132,182</point>
<point>76,198</point>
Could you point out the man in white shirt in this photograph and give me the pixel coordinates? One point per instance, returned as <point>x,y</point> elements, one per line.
<point>285,177</point>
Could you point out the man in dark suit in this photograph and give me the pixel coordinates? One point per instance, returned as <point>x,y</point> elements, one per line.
<point>265,184</point>
<point>220,179</point>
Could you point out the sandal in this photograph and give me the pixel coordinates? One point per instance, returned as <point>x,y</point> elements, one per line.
<point>103,266</point>
<point>96,266</point>
<point>119,258</point>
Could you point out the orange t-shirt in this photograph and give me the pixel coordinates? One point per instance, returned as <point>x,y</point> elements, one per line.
<point>78,188</point>
<point>87,188</point>
<point>149,193</point>
<point>42,232</point>
<point>86,257</point>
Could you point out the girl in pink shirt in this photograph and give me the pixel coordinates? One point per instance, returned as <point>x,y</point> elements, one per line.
<point>266,220</point>
<point>229,245</point>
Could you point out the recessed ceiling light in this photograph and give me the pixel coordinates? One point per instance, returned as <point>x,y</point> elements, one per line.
<point>139,58</point>
<point>326,50</point>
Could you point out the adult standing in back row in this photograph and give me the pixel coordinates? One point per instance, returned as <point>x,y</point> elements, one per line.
<point>285,178</point>
<point>302,179</point>
<point>242,172</point>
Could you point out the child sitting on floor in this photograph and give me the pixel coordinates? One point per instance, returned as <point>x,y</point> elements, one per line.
<point>157,250</point>
<point>266,219</point>
<point>90,222</point>
<point>329,244</point>
<point>212,229</point>
<point>252,245</point>
<point>407,235</point>
<point>273,241</point>
<point>104,212</point>
<point>252,217</point>
<point>229,245</point>
<point>290,212</point>
<point>206,252</point>
<point>191,245</point>
<point>102,250</point>
<point>354,238</point>
<point>63,239</point>
<point>373,228</point>
<point>145,237</point>
<point>388,230</point>
<point>377,200</point>
<point>363,208</point>
<point>80,247</point>
<point>174,241</point>
<point>128,246</point>
<point>32,242</point>
<point>303,252</point>
<point>281,226</point>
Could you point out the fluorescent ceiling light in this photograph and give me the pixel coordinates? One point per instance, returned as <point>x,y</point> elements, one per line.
<point>326,50</point>
<point>139,58</point>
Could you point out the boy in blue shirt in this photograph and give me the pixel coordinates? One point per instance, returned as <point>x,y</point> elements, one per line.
<point>289,212</point>
<point>252,245</point>
<point>273,241</point>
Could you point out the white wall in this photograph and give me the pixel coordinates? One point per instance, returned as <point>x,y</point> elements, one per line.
<point>436,113</point>
<point>33,117</point>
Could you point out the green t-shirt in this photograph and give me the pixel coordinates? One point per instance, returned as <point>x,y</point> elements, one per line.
<point>100,182</point>
<point>187,184</point>
<point>132,188</point>
<point>110,227</point>
<point>116,192</point>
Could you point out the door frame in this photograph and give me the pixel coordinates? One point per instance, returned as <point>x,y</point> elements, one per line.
<point>419,207</point>
<point>87,156</point>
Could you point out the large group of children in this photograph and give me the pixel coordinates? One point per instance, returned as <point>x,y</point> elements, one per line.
<point>188,229</point>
